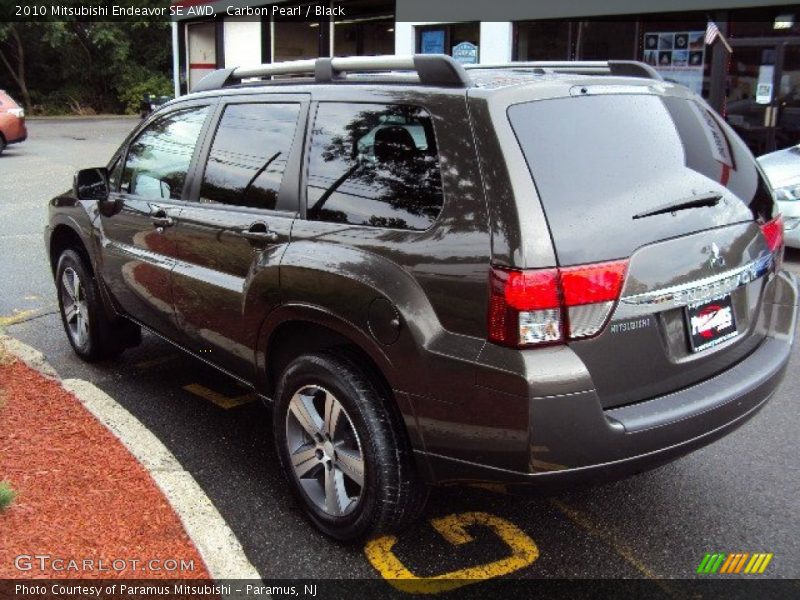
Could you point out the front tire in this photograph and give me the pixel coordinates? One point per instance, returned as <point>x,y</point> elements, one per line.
<point>90,332</point>
<point>343,449</point>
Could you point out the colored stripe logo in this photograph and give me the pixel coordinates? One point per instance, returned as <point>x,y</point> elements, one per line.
<point>734,563</point>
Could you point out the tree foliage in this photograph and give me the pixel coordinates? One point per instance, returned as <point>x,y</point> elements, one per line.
<point>75,66</point>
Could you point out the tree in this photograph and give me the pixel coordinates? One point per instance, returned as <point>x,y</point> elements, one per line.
<point>12,55</point>
<point>57,66</point>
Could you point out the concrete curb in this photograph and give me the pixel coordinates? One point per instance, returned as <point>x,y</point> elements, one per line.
<point>214,539</point>
<point>30,356</point>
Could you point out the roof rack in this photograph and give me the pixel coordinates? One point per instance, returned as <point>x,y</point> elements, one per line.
<point>623,68</point>
<point>432,69</point>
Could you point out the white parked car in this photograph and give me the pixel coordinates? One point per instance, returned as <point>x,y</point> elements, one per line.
<point>783,171</point>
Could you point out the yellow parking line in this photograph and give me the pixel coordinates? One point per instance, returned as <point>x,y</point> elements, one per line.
<point>453,528</point>
<point>219,399</point>
<point>16,317</point>
<point>497,488</point>
<point>160,360</point>
<point>622,549</point>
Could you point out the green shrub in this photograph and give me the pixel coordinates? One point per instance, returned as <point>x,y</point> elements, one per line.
<point>135,87</point>
<point>6,495</point>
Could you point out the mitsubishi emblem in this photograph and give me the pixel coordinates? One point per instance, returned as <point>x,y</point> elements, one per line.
<point>716,260</point>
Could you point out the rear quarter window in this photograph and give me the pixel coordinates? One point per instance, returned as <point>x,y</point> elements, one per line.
<point>374,165</point>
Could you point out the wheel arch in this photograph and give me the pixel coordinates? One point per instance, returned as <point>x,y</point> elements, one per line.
<point>295,329</point>
<point>66,234</point>
<point>292,330</point>
<point>63,237</point>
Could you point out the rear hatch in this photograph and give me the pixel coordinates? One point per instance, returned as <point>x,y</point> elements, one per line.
<point>657,179</point>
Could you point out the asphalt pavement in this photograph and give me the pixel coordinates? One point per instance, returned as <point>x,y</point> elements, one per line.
<point>741,494</point>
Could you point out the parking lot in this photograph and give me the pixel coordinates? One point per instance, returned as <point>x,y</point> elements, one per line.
<point>741,494</point>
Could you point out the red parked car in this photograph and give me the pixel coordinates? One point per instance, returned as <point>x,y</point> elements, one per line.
<point>12,122</point>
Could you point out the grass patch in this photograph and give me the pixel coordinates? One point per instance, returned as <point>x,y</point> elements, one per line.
<point>6,495</point>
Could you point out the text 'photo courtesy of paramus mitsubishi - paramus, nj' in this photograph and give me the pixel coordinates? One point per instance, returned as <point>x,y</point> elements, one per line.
<point>529,274</point>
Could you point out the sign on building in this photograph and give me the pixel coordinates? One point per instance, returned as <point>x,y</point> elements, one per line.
<point>432,41</point>
<point>466,53</point>
<point>678,56</point>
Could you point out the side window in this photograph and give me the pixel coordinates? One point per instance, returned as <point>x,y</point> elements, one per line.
<point>159,158</point>
<point>374,165</point>
<point>248,157</point>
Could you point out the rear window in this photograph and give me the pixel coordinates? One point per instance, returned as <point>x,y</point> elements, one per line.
<point>597,161</point>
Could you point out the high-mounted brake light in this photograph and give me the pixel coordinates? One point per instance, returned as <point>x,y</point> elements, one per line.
<point>546,306</point>
<point>773,232</point>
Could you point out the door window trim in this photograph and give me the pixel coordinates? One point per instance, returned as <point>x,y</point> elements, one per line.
<point>189,104</point>
<point>285,206</point>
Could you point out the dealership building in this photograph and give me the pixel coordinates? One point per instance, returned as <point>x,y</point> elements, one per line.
<point>756,86</point>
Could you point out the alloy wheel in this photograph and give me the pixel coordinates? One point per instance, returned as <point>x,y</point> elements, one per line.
<point>74,307</point>
<point>325,451</point>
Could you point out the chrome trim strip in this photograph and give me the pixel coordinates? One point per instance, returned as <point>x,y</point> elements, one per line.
<point>694,291</point>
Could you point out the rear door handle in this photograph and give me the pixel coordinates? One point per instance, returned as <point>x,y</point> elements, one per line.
<point>259,233</point>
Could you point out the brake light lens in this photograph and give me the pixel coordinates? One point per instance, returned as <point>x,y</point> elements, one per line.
<point>547,306</point>
<point>524,307</point>
<point>588,284</point>
<point>773,232</point>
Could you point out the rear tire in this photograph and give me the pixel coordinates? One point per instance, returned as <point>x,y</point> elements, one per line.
<point>343,449</point>
<point>2,144</point>
<point>90,332</point>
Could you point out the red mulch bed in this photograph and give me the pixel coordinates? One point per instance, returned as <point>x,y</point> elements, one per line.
<point>80,494</point>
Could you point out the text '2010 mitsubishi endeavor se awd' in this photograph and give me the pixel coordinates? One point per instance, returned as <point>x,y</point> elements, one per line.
<point>522,274</point>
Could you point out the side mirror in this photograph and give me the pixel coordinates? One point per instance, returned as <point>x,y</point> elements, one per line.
<point>91,184</point>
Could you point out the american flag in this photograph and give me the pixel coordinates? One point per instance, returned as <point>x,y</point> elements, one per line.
<point>712,31</point>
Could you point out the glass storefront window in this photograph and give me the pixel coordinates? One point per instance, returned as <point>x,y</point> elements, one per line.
<point>443,39</point>
<point>541,40</point>
<point>606,40</point>
<point>296,38</point>
<point>760,22</point>
<point>367,29</point>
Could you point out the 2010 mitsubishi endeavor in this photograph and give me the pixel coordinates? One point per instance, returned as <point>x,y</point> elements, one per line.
<point>526,273</point>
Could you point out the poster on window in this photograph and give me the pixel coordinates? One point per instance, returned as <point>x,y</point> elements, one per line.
<point>432,41</point>
<point>678,56</point>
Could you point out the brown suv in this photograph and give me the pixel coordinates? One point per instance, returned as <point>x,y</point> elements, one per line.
<point>528,274</point>
<point>12,122</point>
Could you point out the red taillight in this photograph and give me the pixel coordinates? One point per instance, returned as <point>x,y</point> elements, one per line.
<point>531,290</point>
<point>773,232</point>
<point>589,284</point>
<point>545,306</point>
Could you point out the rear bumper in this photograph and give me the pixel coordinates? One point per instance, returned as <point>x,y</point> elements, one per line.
<point>571,438</point>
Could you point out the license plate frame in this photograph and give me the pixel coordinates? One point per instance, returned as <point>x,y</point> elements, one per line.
<point>709,323</point>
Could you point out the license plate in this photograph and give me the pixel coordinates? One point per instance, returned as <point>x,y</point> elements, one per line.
<point>710,323</point>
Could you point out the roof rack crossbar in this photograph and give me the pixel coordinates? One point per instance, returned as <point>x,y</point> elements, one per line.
<point>432,69</point>
<point>623,68</point>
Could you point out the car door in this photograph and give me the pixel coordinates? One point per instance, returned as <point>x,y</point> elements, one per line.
<point>138,219</point>
<point>236,227</point>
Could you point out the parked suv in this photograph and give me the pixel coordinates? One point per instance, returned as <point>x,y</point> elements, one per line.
<point>531,274</point>
<point>12,122</point>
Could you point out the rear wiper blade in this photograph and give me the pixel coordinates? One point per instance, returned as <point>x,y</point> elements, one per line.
<point>710,199</point>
